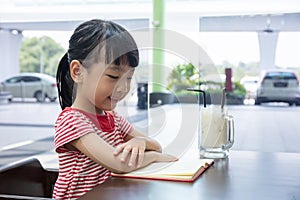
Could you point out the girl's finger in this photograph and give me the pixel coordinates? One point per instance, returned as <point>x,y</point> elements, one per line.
<point>118,149</point>
<point>133,157</point>
<point>141,157</point>
<point>126,150</point>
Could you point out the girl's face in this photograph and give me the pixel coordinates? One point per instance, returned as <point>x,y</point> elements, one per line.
<point>105,85</point>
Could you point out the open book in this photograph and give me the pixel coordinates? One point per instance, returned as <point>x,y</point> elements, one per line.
<point>187,169</point>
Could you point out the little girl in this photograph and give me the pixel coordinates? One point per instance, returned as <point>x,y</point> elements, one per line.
<point>91,139</point>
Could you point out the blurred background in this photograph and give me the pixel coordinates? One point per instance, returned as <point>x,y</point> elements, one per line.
<point>238,42</point>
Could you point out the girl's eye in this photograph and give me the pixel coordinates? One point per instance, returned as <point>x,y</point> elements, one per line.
<point>113,77</point>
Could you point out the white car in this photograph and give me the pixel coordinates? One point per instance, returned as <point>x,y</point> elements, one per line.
<point>278,85</point>
<point>250,83</point>
<point>31,85</point>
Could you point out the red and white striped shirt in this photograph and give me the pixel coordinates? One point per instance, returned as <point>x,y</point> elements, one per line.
<point>77,173</point>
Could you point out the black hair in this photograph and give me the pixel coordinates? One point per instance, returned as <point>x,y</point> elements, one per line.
<point>85,45</point>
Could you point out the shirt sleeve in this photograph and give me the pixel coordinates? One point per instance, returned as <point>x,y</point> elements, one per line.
<point>70,126</point>
<point>123,125</point>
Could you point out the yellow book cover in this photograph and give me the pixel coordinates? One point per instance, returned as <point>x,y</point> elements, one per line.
<point>187,169</point>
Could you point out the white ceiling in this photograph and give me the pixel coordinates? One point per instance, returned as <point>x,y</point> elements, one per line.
<point>10,8</point>
<point>15,12</point>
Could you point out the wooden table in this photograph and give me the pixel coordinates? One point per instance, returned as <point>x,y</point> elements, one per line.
<point>244,175</point>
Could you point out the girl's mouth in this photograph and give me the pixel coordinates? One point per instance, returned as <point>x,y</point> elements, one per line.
<point>114,100</point>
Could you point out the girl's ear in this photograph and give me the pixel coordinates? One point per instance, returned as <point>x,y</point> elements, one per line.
<point>76,71</point>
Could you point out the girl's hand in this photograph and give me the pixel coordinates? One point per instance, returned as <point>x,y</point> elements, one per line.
<point>135,148</point>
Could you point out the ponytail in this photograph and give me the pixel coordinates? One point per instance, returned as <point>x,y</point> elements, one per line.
<point>65,83</point>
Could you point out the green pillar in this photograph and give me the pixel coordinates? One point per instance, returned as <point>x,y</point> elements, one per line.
<point>158,72</point>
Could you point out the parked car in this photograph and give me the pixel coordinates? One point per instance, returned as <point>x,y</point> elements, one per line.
<point>250,83</point>
<point>31,85</point>
<point>279,85</point>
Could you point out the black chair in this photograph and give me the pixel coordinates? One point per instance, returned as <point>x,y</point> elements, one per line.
<point>26,179</point>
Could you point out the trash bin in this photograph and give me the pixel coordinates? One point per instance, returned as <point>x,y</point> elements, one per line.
<point>142,93</point>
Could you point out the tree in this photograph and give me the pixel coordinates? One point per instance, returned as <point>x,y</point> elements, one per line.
<point>183,76</point>
<point>40,54</point>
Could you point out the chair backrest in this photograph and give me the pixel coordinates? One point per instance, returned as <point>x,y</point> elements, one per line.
<point>27,178</point>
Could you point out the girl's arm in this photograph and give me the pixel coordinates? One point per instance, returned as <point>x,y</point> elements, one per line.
<point>101,152</point>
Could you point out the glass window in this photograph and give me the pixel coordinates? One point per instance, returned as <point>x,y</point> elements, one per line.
<point>280,75</point>
<point>30,79</point>
<point>14,80</point>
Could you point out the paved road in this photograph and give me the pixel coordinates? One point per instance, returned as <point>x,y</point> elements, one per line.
<point>269,127</point>
<point>25,122</point>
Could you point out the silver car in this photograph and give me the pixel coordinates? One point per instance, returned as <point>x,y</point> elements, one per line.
<point>31,85</point>
<point>278,86</point>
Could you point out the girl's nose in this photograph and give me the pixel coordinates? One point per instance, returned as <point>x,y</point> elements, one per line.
<point>123,85</point>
